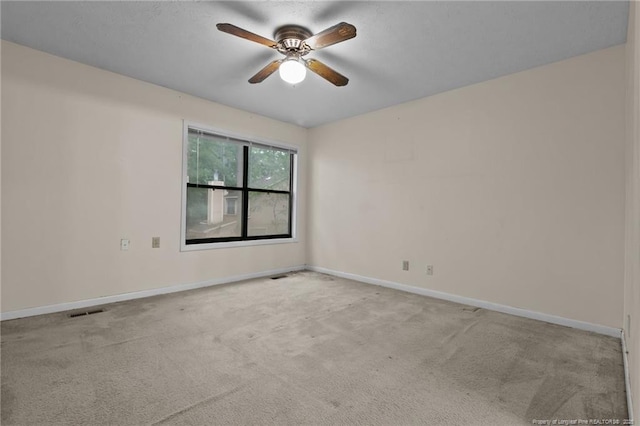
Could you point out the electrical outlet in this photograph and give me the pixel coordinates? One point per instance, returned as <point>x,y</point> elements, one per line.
<point>429,269</point>
<point>124,244</point>
<point>405,265</point>
<point>155,242</point>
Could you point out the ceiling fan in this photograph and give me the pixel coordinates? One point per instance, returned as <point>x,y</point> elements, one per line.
<point>295,42</point>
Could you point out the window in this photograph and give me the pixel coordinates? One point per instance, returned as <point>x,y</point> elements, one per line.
<point>236,190</point>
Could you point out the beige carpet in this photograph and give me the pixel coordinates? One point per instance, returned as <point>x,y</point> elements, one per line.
<point>306,349</point>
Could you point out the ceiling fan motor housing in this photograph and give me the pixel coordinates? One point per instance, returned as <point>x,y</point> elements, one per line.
<point>290,39</point>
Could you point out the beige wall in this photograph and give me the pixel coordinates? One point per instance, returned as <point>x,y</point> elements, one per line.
<point>632,264</point>
<point>90,157</point>
<point>513,189</point>
<point>0,181</point>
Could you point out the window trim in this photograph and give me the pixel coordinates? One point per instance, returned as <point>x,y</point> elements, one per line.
<point>246,140</point>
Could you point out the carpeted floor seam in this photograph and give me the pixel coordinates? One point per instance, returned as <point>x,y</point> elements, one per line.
<point>205,401</point>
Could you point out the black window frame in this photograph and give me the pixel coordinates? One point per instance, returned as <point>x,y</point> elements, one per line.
<point>244,190</point>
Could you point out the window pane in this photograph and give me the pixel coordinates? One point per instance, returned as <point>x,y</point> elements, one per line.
<point>268,214</point>
<point>214,161</point>
<point>213,213</point>
<point>269,168</point>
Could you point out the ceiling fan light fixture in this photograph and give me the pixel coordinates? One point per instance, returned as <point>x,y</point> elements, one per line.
<point>292,71</point>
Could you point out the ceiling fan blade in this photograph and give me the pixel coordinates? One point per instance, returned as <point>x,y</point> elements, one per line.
<point>239,32</point>
<point>333,35</point>
<point>266,71</point>
<point>325,72</point>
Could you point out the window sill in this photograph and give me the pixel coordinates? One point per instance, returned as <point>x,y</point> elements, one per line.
<point>232,244</point>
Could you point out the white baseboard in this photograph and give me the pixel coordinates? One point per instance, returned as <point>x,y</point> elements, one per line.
<point>627,378</point>
<point>60,307</point>
<point>40,310</point>
<point>581,325</point>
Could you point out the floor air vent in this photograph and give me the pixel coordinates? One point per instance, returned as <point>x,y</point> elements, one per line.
<point>83,313</point>
<point>277,277</point>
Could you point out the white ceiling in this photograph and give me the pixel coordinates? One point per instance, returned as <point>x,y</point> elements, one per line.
<point>402,51</point>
